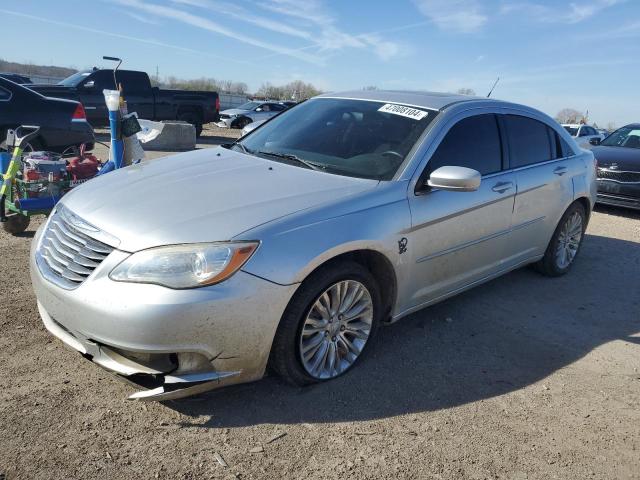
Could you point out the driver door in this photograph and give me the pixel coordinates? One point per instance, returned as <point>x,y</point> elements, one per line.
<point>458,238</point>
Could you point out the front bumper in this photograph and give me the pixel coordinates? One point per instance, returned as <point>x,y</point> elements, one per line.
<point>225,122</point>
<point>619,194</point>
<point>174,342</point>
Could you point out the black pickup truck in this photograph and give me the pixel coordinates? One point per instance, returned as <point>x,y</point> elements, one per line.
<point>151,103</point>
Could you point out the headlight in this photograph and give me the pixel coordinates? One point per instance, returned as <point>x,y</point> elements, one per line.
<point>184,266</point>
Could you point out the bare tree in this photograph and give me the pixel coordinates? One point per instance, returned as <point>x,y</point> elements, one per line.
<point>569,115</point>
<point>466,91</point>
<point>611,126</point>
<point>370,87</point>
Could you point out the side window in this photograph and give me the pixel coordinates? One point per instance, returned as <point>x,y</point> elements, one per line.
<point>132,82</point>
<point>4,94</point>
<point>529,141</point>
<point>566,150</point>
<point>474,143</point>
<point>276,107</point>
<point>101,80</point>
<point>584,131</point>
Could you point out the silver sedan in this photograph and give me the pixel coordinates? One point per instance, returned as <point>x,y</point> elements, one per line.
<point>290,247</point>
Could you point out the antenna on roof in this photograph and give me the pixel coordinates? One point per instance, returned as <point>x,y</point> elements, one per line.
<point>494,86</point>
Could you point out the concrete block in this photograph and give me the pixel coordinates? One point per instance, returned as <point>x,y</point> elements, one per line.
<point>175,136</point>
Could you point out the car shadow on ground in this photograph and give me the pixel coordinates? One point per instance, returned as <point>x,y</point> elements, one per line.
<point>491,340</point>
<point>617,211</point>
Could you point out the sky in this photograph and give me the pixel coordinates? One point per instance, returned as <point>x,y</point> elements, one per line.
<point>549,54</point>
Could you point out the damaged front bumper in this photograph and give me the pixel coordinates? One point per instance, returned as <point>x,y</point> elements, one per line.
<point>172,343</point>
<point>165,376</point>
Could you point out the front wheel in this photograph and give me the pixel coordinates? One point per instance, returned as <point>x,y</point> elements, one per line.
<point>565,243</point>
<point>327,325</point>
<point>16,223</point>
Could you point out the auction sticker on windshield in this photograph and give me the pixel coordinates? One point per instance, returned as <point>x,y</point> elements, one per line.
<point>404,111</point>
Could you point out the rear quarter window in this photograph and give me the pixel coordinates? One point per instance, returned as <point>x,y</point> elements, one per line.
<point>530,141</point>
<point>4,94</point>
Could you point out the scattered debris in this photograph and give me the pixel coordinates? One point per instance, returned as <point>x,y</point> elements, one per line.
<point>258,449</point>
<point>544,387</point>
<point>277,436</point>
<point>220,460</point>
<point>365,433</point>
<point>109,456</point>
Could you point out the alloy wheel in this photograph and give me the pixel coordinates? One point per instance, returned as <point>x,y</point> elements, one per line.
<point>336,329</point>
<point>569,240</point>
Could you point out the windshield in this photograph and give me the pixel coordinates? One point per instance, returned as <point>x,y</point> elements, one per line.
<point>573,131</point>
<point>74,79</point>
<point>627,137</point>
<point>356,138</point>
<point>249,105</point>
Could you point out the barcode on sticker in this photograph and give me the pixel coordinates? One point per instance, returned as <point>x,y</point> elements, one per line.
<point>404,111</point>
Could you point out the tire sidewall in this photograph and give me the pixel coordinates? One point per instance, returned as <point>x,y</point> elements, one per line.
<point>553,245</point>
<point>287,361</point>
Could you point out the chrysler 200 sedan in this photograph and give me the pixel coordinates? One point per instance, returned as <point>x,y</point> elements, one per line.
<point>289,248</point>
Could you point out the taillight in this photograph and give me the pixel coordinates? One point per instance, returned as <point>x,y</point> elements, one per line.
<point>79,113</point>
<point>217,104</point>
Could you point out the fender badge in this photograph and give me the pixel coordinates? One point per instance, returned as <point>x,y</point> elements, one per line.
<point>402,245</point>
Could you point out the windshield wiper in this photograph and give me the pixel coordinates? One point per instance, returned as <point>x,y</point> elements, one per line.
<point>290,156</point>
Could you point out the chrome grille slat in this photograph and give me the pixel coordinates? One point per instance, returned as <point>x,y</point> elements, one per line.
<point>81,250</point>
<point>67,256</point>
<point>620,176</point>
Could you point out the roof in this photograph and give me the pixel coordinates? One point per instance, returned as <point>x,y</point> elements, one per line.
<point>431,100</point>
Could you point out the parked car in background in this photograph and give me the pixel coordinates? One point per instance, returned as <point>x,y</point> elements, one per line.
<point>249,112</point>
<point>151,103</point>
<point>251,127</point>
<point>16,78</point>
<point>603,132</point>
<point>582,134</point>
<point>618,158</point>
<point>62,123</point>
<point>346,212</point>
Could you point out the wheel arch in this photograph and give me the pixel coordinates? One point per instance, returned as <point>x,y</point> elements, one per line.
<point>380,267</point>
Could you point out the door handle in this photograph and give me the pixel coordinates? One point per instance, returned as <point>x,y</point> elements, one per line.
<point>560,170</point>
<point>502,187</point>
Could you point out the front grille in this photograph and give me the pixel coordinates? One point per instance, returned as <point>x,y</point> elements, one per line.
<point>66,256</point>
<point>619,176</point>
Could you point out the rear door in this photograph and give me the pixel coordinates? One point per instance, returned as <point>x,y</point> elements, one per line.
<point>544,166</point>
<point>458,238</point>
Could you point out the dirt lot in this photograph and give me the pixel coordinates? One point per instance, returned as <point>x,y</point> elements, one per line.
<point>524,377</point>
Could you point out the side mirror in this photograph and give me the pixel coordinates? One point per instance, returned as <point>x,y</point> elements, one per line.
<point>595,141</point>
<point>461,179</point>
<point>89,84</point>
<point>259,109</point>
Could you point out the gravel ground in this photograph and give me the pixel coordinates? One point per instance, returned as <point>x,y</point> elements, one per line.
<point>524,377</point>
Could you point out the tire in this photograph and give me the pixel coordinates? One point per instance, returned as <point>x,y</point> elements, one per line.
<point>287,357</point>
<point>554,264</point>
<point>243,122</point>
<point>194,119</point>
<point>16,223</point>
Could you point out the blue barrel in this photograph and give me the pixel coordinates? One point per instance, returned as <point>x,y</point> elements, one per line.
<point>5,159</point>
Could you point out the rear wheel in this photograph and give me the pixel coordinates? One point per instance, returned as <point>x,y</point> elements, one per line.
<point>565,243</point>
<point>194,119</point>
<point>327,325</point>
<point>16,223</point>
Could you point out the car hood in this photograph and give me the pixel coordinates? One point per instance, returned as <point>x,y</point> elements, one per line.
<point>625,158</point>
<point>201,196</point>
<point>235,111</point>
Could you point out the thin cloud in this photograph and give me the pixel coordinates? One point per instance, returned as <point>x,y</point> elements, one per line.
<point>140,18</point>
<point>244,15</point>
<point>330,38</point>
<point>571,14</point>
<point>461,16</point>
<point>211,26</point>
<point>116,35</point>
